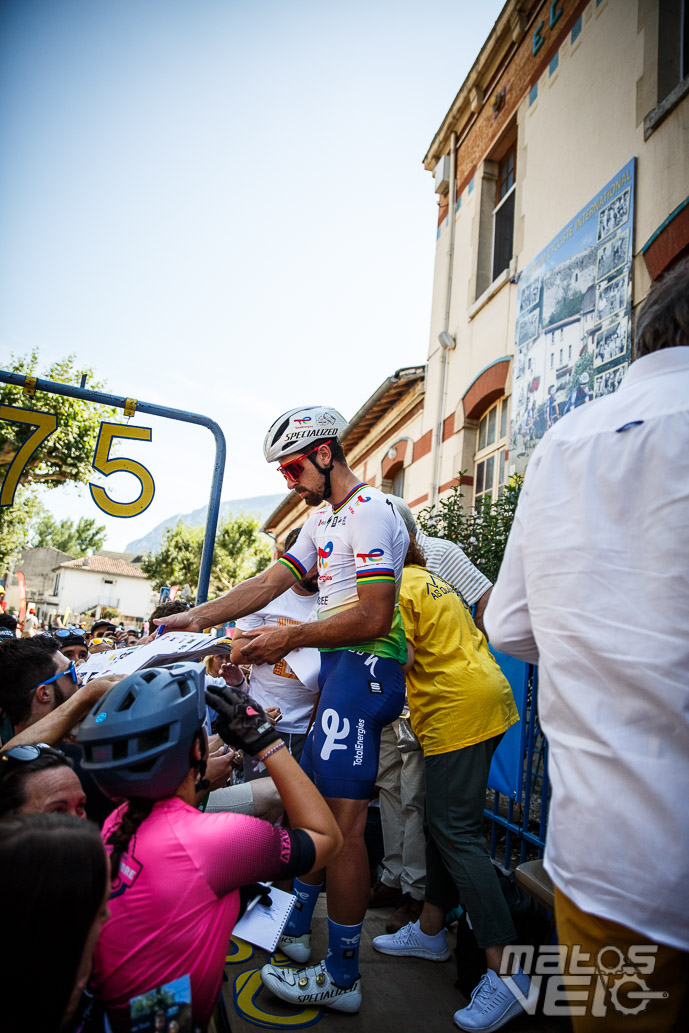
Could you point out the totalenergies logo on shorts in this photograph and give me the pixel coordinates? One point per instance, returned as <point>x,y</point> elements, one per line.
<point>370,557</point>
<point>324,554</point>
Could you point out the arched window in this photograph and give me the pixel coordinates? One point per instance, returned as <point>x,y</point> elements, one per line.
<point>398,483</point>
<point>392,468</point>
<point>490,468</point>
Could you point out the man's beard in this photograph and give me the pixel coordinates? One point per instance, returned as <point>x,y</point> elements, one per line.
<point>58,695</point>
<point>312,498</point>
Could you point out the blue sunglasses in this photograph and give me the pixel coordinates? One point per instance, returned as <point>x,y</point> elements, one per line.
<point>71,671</point>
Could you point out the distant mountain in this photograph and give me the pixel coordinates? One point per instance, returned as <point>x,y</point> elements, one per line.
<point>261,506</point>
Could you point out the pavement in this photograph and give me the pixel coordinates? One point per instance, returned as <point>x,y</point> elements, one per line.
<point>399,994</point>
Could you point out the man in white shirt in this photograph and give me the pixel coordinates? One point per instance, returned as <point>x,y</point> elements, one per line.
<point>594,587</point>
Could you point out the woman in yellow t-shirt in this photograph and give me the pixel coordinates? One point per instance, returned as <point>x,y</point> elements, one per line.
<point>460,706</point>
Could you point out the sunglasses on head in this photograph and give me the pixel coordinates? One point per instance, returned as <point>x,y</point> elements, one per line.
<point>294,468</point>
<point>66,632</point>
<point>26,752</point>
<point>100,641</point>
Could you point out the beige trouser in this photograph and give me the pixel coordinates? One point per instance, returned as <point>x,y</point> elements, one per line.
<point>667,1008</point>
<point>402,797</point>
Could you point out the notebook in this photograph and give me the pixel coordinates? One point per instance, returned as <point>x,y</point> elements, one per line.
<point>263,925</point>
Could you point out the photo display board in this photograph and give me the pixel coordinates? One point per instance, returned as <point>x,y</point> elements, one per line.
<point>572,338</point>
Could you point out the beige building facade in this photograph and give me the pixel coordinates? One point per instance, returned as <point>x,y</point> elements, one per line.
<point>562,175</point>
<point>562,97</point>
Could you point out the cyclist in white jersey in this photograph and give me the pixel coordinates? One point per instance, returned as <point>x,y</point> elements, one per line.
<point>359,542</point>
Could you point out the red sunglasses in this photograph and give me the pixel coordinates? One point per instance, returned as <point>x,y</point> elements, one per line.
<point>293,469</point>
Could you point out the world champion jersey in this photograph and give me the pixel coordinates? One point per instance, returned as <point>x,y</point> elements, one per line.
<point>360,541</point>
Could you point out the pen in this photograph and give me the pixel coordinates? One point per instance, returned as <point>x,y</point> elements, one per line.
<point>252,903</point>
<point>161,629</point>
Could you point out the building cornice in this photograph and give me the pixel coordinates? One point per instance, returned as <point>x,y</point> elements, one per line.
<point>503,40</point>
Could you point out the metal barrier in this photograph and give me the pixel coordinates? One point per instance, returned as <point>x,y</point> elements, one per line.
<point>131,405</point>
<point>518,820</point>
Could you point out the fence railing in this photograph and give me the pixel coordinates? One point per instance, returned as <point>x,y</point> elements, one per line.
<point>517,814</point>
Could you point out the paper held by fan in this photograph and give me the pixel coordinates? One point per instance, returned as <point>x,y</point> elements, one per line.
<point>171,648</point>
<point>306,663</point>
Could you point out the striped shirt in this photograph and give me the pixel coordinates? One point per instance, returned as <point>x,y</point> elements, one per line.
<point>450,563</point>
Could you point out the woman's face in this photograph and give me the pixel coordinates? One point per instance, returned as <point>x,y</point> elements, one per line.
<point>86,962</point>
<point>54,791</point>
<point>215,665</point>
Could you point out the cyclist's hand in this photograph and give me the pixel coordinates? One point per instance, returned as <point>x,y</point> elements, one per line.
<point>185,621</point>
<point>241,721</point>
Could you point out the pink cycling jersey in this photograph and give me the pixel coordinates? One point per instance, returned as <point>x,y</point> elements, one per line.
<point>175,901</point>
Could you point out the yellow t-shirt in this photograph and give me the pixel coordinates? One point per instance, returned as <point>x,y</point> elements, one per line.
<point>457,694</point>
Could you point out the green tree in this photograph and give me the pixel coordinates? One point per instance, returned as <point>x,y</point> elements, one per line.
<point>240,552</point>
<point>64,457</point>
<point>75,539</point>
<point>481,533</point>
<point>15,526</point>
<point>568,305</point>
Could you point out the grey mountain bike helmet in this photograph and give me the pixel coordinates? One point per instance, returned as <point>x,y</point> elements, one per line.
<point>137,737</point>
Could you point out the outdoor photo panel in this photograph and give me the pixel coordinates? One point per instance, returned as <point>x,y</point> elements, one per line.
<point>572,334</point>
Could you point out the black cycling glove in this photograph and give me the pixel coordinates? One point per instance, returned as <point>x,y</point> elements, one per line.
<point>241,721</point>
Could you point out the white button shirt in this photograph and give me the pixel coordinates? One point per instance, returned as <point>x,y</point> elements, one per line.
<point>594,587</point>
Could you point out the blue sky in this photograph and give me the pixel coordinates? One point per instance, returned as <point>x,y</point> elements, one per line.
<point>222,207</point>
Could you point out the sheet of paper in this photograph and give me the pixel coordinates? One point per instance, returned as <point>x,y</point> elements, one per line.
<point>261,925</point>
<point>166,649</point>
<point>306,663</point>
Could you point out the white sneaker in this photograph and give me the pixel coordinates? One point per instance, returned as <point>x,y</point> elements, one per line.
<point>312,985</point>
<point>410,942</point>
<point>298,948</point>
<point>492,1003</point>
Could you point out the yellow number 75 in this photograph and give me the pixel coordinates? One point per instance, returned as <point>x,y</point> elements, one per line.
<point>45,424</point>
<point>105,465</point>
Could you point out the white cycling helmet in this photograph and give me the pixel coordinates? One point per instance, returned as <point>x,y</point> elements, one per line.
<point>292,431</point>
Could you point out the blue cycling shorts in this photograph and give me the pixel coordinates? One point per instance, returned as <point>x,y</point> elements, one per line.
<point>360,694</point>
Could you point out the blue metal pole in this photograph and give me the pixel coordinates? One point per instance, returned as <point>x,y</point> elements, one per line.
<point>100,398</point>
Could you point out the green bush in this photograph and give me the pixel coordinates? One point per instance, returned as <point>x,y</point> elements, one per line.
<point>481,533</point>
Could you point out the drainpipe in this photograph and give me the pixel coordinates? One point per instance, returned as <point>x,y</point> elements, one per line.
<point>447,341</point>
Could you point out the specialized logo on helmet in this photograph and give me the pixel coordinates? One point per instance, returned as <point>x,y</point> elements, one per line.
<point>324,555</point>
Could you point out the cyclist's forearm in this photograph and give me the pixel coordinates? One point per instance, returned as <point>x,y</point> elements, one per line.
<point>247,597</point>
